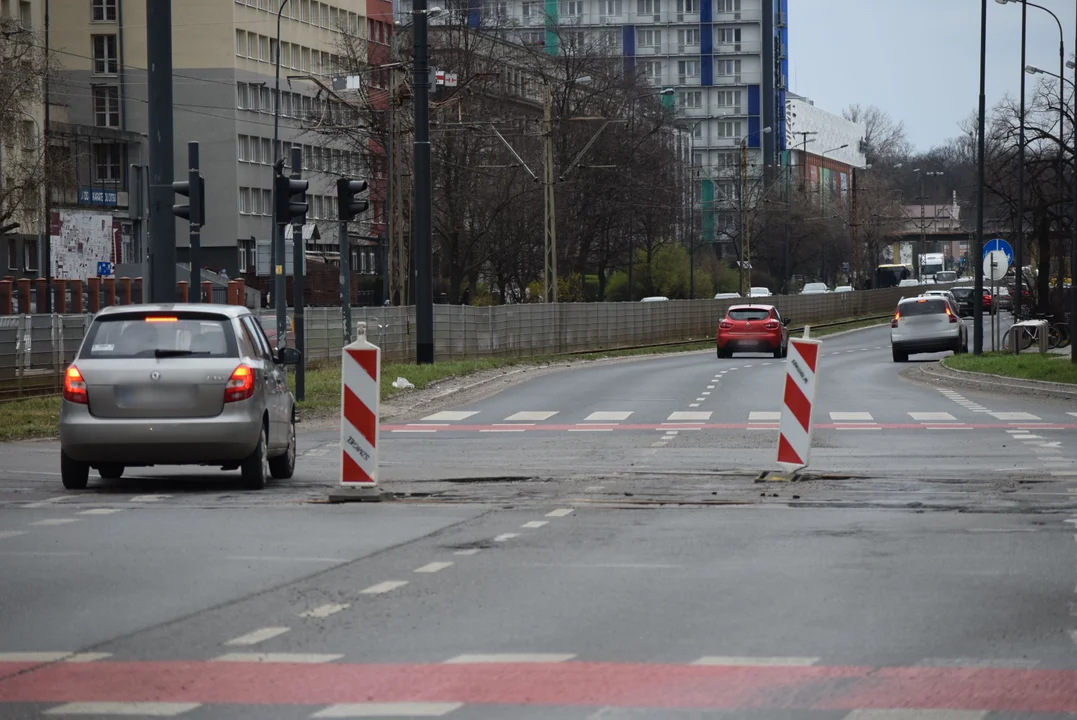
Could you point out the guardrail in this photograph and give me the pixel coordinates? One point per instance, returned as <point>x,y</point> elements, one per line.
<point>35,349</point>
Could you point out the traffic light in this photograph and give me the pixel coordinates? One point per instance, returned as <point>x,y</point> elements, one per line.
<point>291,200</point>
<point>195,213</point>
<point>348,206</point>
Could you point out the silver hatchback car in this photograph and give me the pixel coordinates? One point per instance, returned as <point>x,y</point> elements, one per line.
<point>927,324</point>
<point>177,385</point>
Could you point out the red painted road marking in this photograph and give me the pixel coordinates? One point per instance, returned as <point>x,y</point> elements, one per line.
<point>932,427</point>
<point>580,684</point>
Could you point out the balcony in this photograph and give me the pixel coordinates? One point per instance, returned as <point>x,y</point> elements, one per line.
<point>747,15</point>
<point>740,48</point>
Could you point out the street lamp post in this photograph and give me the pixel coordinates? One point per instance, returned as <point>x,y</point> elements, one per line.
<point>273,249</point>
<point>919,263</point>
<point>745,245</point>
<point>981,123</point>
<point>1018,251</point>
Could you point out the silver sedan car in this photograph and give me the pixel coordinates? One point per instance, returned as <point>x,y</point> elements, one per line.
<point>177,385</point>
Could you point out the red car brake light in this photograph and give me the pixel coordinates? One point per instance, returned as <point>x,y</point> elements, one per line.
<point>953,318</point>
<point>725,325</point>
<point>75,387</point>
<point>240,386</point>
<point>771,325</point>
<point>894,322</point>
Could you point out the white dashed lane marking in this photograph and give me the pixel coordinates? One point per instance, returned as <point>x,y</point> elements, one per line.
<point>55,521</point>
<point>560,512</point>
<point>474,659</point>
<point>324,611</point>
<point>534,524</point>
<point>757,661</point>
<point>607,416</point>
<point>434,567</point>
<point>297,658</point>
<point>451,415</point>
<point>100,511</point>
<point>384,587</point>
<point>11,533</point>
<point>386,710</point>
<point>469,551</point>
<point>261,635</point>
<point>506,536</point>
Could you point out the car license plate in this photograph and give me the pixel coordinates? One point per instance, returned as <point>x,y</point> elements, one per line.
<point>149,397</point>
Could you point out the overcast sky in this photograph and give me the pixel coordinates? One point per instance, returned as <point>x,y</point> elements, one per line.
<point>918,59</point>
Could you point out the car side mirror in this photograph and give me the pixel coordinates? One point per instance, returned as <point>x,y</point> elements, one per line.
<point>289,356</point>
<point>785,322</point>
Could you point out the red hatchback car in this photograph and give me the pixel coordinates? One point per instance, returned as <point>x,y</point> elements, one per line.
<point>753,328</point>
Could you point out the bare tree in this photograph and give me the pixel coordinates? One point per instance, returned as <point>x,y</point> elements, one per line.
<point>885,140</point>
<point>23,167</point>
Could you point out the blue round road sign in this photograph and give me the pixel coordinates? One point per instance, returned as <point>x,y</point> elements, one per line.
<point>998,244</point>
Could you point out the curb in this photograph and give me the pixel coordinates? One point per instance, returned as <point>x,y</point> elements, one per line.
<point>998,383</point>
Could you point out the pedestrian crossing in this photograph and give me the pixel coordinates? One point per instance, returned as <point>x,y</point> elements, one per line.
<point>840,420</point>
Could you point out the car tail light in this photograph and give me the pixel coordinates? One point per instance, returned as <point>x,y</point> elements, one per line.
<point>894,322</point>
<point>75,387</point>
<point>771,325</point>
<point>725,325</point>
<point>240,385</point>
<point>953,318</point>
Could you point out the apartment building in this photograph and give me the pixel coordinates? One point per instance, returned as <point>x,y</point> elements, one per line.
<point>726,59</point>
<point>223,78</point>
<point>21,234</point>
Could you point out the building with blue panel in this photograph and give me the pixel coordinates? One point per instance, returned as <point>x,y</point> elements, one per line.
<point>726,60</point>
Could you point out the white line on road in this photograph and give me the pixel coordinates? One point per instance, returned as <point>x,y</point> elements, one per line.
<point>933,714</point>
<point>451,415</point>
<point>690,416</point>
<point>693,405</point>
<point>469,551</point>
<point>535,524</point>
<point>149,498</point>
<point>297,658</point>
<point>429,425</point>
<point>560,512</point>
<point>260,635</point>
<point>851,417</point>
<point>591,429</point>
<point>47,657</point>
<point>764,416</point>
<point>153,709</point>
<point>433,567</point>
<point>414,430</point>
<point>538,415</point>
<point>506,536</point>
<point>11,533</point>
<point>710,387</point>
<point>384,587</point>
<point>503,430</point>
<point>932,417</point>
<point>55,521</point>
<point>701,399</point>
<point>404,709</point>
<point>757,661</point>
<point>509,658</point>
<point>100,511</point>
<point>607,416</point>
<point>43,503</point>
<point>324,611</point>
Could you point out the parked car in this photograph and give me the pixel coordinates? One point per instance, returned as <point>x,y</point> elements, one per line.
<point>945,277</point>
<point>655,298</point>
<point>1005,300</point>
<point>815,288</point>
<point>753,328</point>
<point>177,385</point>
<point>926,324</point>
<point>909,282</point>
<point>726,296</point>
<point>844,289</point>
<point>759,292</point>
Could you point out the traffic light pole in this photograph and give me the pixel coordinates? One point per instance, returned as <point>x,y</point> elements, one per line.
<point>194,179</point>
<point>347,208</point>
<point>162,225</point>
<point>422,242</point>
<point>280,290</point>
<point>298,253</point>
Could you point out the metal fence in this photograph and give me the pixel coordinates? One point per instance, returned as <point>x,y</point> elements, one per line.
<point>35,349</point>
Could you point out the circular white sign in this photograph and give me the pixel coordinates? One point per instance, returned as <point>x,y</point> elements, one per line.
<point>996,264</point>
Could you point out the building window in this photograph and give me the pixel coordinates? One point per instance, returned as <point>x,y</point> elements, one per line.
<point>652,71</point>
<point>243,99</point>
<point>687,70</point>
<point>108,163</point>
<point>572,8</point>
<point>612,7</point>
<point>687,6</point>
<point>244,151</point>
<point>729,99</point>
<point>691,99</point>
<point>26,15</point>
<point>729,68</point>
<point>532,37</point>
<point>104,55</point>
<point>650,38</point>
<point>103,10</point>
<point>29,254</point>
<point>688,38</point>
<point>729,129</point>
<point>106,104</point>
<point>648,7</point>
<point>267,151</point>
<point>244,201</point>
<point>267,202</point>
<point>728,36</point>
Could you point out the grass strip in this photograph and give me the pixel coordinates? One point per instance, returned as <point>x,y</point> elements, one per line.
<point>1029,365</point>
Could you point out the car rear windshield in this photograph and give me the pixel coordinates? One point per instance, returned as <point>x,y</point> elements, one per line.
<point>148,335</point>
<point>922,307</point>
<point>962,293</point>
<point>945,276</point>
<point>749,314</point>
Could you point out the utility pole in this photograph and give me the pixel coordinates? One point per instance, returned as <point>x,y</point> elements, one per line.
<point>46,227</point>
<point>298,214</point>
<point>978,246</point>
<point>550,196</point>
<point>194,187</point>
<point>274,258</point>
<point>162,224</point>
<point>421,239</point>
<point>740,212</point>
<point>1019,240</point>
<point>854,269</point>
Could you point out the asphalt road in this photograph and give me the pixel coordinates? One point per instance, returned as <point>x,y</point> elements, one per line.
<point>537,566</point>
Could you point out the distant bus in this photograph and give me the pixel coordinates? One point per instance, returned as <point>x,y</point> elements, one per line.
<point>887,276</point>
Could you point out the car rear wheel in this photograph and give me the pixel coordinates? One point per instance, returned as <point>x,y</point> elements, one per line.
<point>779,353</point>
<point>254,468</point>
<point>74,474</point>
<point>900,356</point>
<point>110,472</point>
<point>283,466</point>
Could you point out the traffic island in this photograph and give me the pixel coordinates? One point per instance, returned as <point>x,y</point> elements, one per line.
<point>1043,375</point>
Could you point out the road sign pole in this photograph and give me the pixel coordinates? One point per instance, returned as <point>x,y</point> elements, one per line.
<point>194,252</point>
